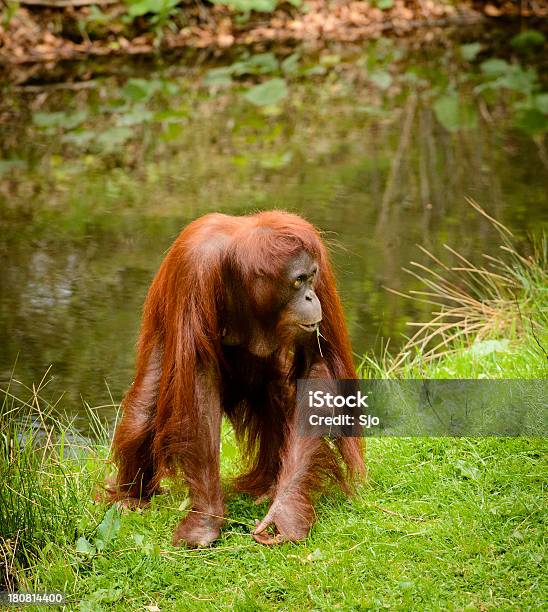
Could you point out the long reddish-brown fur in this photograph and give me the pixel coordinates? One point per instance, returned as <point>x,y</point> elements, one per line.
<point>186,378</point>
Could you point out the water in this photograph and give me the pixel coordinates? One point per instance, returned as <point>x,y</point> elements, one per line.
<point>83,230</point>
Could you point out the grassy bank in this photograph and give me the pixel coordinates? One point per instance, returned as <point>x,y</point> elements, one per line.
<point>440,523</point>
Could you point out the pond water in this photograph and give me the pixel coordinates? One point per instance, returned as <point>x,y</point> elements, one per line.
<point>85,223</point>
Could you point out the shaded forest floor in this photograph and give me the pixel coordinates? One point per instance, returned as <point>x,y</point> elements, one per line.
<point>38,32</point>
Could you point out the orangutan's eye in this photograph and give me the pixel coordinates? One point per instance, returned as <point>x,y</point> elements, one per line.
<point>299,281</point>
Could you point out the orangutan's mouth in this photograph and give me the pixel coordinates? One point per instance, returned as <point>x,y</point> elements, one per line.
<point>310,327</point>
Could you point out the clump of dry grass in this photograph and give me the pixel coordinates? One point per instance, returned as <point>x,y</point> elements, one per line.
<point>506,295</point>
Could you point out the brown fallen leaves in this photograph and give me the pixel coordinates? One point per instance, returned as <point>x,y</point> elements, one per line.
<point>46,35</point>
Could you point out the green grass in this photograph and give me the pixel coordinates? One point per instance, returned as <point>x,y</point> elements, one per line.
<point>424,533</point>
<point>419,534</point>
<point>504,358</point>
<point>46,471</point>
<point>440,523</point>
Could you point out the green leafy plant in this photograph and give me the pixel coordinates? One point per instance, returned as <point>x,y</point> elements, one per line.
<point>105,534</point>
<point>51,122</point>
<point>469,51</point>
<point>528,39</point>
<point>499,74</point>
<point>454,113</point>
<point>159,10</point>
<point>267,93</point>
<point>529,102</point>
<point>259,64</point>
<point>10,8</point>
<point>383,4</point>
<point>246,6</point>
<point>381,78</point>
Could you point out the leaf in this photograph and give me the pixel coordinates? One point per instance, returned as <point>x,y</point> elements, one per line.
<point>315,70</point>
<point>158,7</point>
<point>494,67</point>
<point>155,550</point>
<point>532,121</point>
<point>267,93</point>
<point>114,137</point>
<point>75,119</point>
<point>219,76</point>
<point>140,90</point>
<point>170,87</point>
<point>453,114</point>
<point>330,60</point>
<point>78,137</point>
<point>469,52</point>
<point>171,132</point>
<point>241,161</point>
<point>290,64</point>
<point>44,120</point>
<point>406,584</point>
<point>519,79</point>
<point>136,116</point>
<point>541,103</point>
<point>275,161</point>
<point>171,116</point>
<point>522,80</point>
<point>262,63</point>
<point>109,595</point>
<point>527,39</point>
<point>96,16</point>
<point>381,79</point>
<point>374,111</point>
<point>264,6</point>
<point>139,539</point>
<point>64,120</point>
<point>6,165</point>
<point>99,544</point>
<point>109,526</point>
<point>384,4</point>
<point>141,7</point>
<point>314,556</point>
<point>184,504</point>
<point>466,470</point>
<point>486,347</point>
<point>84,547</point>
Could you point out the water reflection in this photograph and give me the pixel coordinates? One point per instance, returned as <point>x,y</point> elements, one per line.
<point>72,282</point>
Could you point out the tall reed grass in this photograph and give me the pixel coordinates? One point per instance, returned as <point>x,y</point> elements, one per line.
<point>504,296</point>
<point>46,469</point>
